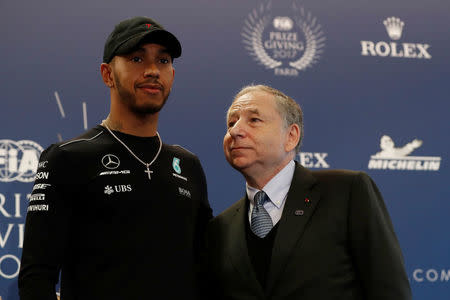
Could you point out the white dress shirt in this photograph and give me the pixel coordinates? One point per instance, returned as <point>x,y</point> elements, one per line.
<point>277,189</point>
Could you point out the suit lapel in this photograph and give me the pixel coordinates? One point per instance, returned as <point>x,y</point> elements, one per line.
<point>300,204</point>
<point>238,247</point>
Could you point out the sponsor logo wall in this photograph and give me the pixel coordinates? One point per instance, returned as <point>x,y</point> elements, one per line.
<point>371,77</point>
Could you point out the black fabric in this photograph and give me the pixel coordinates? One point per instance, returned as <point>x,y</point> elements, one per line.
<point>335,240</point>
<point>113,233</point>
<point>130,33</point>
<point>260,251</point>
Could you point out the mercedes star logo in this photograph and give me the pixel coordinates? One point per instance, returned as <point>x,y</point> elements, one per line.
<point>110,161</point>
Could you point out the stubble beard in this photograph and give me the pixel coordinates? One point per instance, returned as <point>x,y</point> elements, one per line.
<point>130,99</point>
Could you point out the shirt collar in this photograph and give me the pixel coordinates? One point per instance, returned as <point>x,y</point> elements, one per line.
<point>277,188</point>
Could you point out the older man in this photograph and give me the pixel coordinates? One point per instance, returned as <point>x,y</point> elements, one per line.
<point>297,234</point>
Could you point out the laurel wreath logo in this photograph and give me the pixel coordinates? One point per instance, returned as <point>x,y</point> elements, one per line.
<point>260,17</point>
<point>252,34</point>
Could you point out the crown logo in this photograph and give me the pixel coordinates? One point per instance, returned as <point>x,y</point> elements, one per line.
<point>394,27</point>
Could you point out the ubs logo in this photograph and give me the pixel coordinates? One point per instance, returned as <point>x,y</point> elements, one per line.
<point>122,188</point>
<point>110,161</point>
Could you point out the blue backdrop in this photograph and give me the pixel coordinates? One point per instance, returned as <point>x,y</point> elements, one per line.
<point>360,70</point>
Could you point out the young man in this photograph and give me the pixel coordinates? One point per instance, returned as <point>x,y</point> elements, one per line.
<point>297,234</point>
<point>117,212</point>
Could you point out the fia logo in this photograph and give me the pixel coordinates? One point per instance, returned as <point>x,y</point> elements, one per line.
<point>288,43</point>
<point>19,160</point>
<point>176,165</point>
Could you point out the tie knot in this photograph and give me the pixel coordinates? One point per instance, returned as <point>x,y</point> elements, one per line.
<point>261,198</point>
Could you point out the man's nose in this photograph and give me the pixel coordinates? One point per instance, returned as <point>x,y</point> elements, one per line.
<point>151,70</point>
<point>237,130</point>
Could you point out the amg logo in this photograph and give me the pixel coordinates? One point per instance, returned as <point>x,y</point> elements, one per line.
<point>115,172</point>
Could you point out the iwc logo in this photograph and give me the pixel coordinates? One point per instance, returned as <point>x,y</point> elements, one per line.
<point>19,160</point>
<point>288,42</point>
<point>396,158</point>
<point>394,28</point>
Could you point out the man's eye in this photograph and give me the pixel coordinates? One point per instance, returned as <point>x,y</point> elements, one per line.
<point>255,120</point>
<point>164,60</point>
<point>136,59</point>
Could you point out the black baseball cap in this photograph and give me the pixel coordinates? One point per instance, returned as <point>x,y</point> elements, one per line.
<point>129,34</point>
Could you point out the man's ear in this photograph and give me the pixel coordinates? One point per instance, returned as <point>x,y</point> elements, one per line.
<point>107,74</point>
<point>292,137</point>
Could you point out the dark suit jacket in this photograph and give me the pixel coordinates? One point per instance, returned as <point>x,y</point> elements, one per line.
<point>338,245</point>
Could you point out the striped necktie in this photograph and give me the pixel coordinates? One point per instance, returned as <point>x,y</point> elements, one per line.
<point>261,222</point>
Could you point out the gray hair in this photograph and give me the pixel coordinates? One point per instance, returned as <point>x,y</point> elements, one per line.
<point>288,109</point>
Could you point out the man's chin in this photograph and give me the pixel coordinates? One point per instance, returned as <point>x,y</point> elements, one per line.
<point>148,109</point>
<point>240,163</point>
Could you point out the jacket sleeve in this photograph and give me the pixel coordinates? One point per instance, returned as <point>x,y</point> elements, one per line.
<point>45,230</point>
<point>374,245</point>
